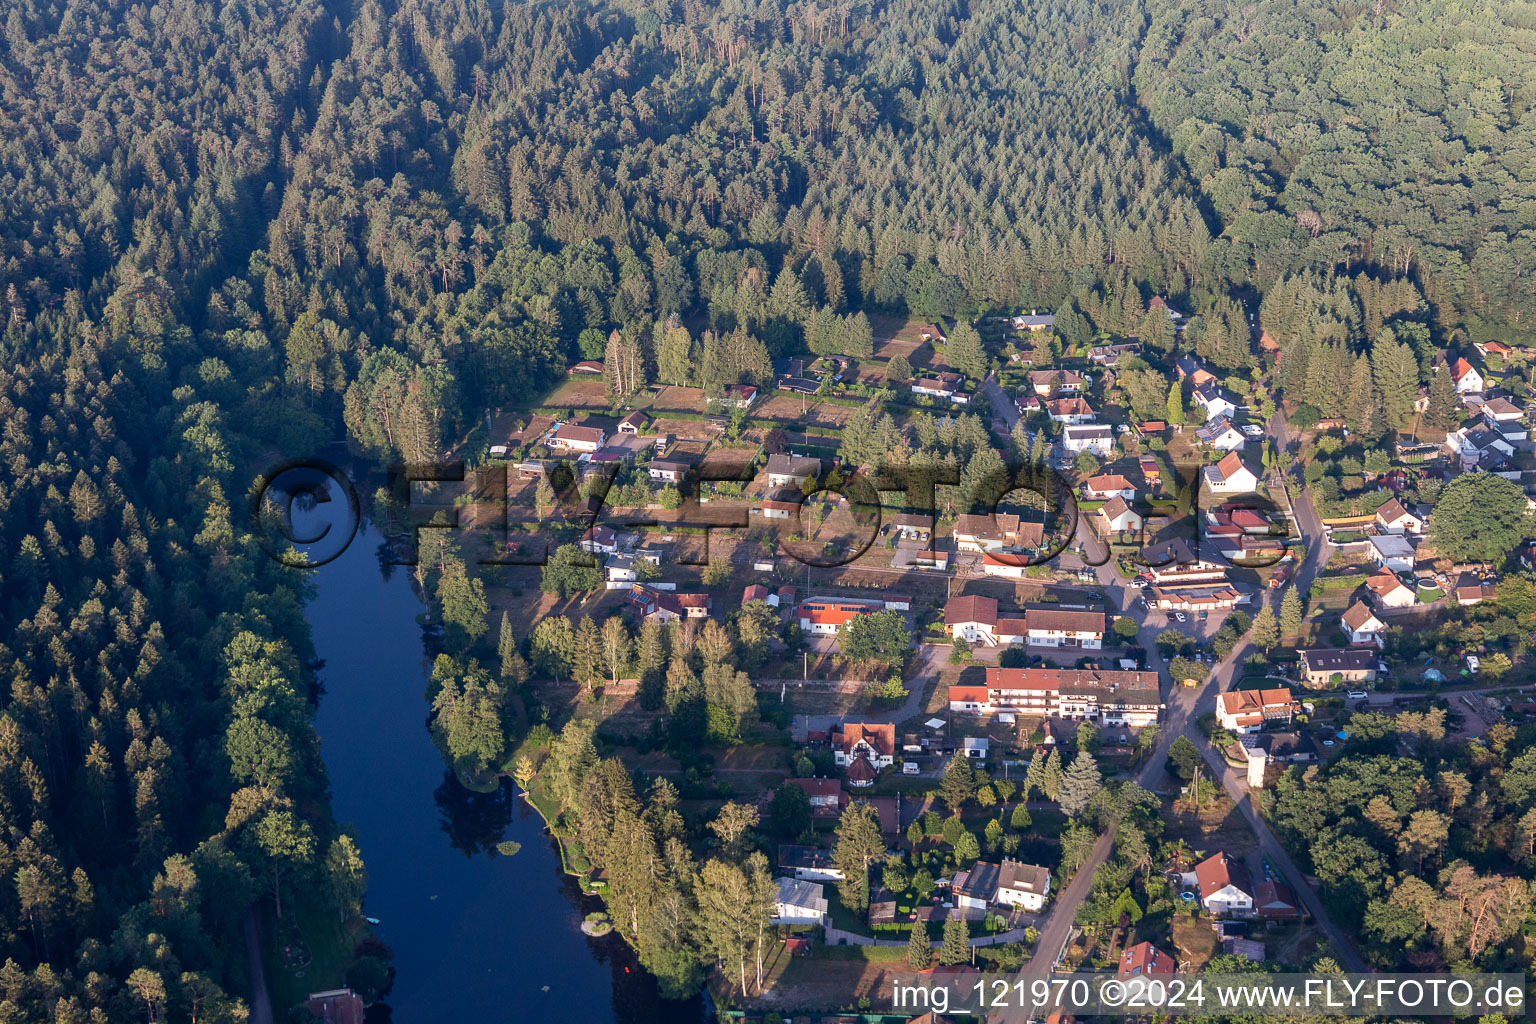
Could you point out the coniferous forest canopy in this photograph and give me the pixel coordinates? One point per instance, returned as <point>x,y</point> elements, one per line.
<point>233,231</point>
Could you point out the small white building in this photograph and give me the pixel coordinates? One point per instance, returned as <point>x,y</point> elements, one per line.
<point>1390,592</point>
<point>1362,625</point>
<point>799,902</point>
<point>1230,476</point>
<point>1394,517</point>
<point>1392,551</point>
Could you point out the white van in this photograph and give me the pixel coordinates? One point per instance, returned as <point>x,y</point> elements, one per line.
<point>909,768</point>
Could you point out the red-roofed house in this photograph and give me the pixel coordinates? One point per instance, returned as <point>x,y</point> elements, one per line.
<point>1246,711</point>
<point>1106,486</point>
<point>1466,376</point>
<point>1225,887</point>
<point>824,616</point>
<point>875,742</point>
<point>1392,517</point>
<point>1276,900</point>
<point>1230,475</point>
<point>578,439</point>
<point>826,795</point>
<point>755,592</point>
<point>1363,626</point>
<point>1144,959</point>
<point>971,618</point>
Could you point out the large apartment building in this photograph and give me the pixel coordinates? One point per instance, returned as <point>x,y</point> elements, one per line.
<point>1113,697</point>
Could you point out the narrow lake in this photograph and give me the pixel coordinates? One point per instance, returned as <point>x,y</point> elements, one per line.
<point>477,936</point>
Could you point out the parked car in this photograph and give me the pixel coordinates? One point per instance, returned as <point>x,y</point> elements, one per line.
<point>1180,617</point>
<point>1356,695</point>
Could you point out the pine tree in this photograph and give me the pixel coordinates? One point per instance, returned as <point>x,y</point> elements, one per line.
<point>1051,778</point>
<point>1266,632</point>
<point>1441,411</point>
<point>1175,404</point>
<point>1082,781</point>
<point>1397,379</point>
<point>957,942</point>
<point>919,948</point>
<point>1290,613</point>
<point>958,783</point>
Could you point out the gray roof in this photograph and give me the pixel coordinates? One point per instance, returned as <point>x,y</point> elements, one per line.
<point>1339,659</point>
<point>794,892</point>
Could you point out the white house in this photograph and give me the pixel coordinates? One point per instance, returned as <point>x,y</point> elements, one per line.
<point>1063,382</point>
<point>1221,435</point>
<point>1389,591</point>
<point>1363,627</point>
<point>1049,625</point>
<point>1394,517</point>
<point>1106,486</point>
<point>1466,377</point>
<point>1230,476</point>
<point>809,863</point>
<point>578,439</point>
<point>943,385</point>
<point>1095,438</point>
<point>1070,410</point>
<point>1117,516</point>
<point>799,902</point>
<point>600,540</point>
<point>1225,886</point>
<point>875,743</point>
<point>1392,551</point>
<point>1026,886</point>
<point>1214,401</point>
<point>1245,711</point>
<point>791,470</point>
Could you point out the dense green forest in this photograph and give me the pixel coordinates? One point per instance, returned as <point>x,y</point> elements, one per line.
<point>233,231</point>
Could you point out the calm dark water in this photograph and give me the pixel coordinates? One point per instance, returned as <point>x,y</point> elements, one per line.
<point>477,936</point>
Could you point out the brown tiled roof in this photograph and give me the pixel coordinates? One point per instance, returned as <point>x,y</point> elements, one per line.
<point>971,608</point>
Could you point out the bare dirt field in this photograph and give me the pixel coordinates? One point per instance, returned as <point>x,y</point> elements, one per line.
<point>579,393</point>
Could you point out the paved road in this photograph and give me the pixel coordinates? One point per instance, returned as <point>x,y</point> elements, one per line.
<point>261,1002</point>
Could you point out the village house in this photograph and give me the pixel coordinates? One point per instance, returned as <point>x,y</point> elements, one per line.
<point>799,902</point>
<point>1049,625</point>
<point>587,368</point>
<point>1117,516</point>
<point>1106,486</point>
<point>668,471</point>
<point>1393,517</point>
<point>825,795</point>
<point>824,616</point>
<point>997,532</point>
<point>1009,883</point>
<point>975,619</point>
<point>1466,377</point>
<point>1332,666</point>
<point>739,396</point>
<point>575,438</point>
<point>1276,901</point>
<point>1144,959</point>
<point>1188,366</point>
<point>1230,476</point>
<point>792,470</point>
<point>667,606</point>
<point>781,504</point>
<point>943,385</point>
<point>1470,590</point>
<point>1388,591</point>
<point>1363,627</point>
<point>1221,435</point>
<point>1070,410</point>
<point>934,332</point>
<point>1096,438</point>
<point>1392,551</point>
<point>1177,318</point>
<point>1216,402</point>
<point>809,863</point>
<point>875,743</point>
<point>1032,322</point>
<point>1109,355</point>
<point>1057,381</point>
<point>1225,886</point>
<point>599,540</point>
<point>1243,711</point>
